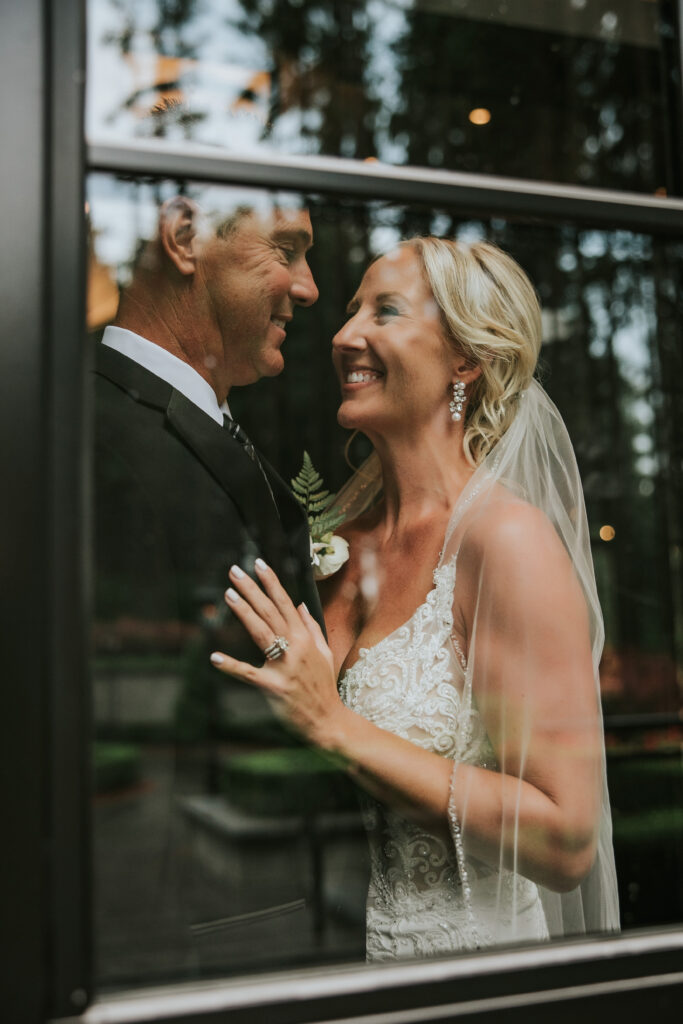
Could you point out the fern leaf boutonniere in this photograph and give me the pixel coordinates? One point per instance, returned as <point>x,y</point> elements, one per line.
<point>329,551</point>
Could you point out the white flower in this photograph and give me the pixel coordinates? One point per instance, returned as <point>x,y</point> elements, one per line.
<point>328,555</point>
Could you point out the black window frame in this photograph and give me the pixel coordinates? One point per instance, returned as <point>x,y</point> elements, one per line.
<point>46,586</point>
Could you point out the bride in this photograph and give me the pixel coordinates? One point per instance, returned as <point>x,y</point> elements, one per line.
<point>460,684</point>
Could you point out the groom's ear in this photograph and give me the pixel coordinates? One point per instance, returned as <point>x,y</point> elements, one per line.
<point>178,226</point>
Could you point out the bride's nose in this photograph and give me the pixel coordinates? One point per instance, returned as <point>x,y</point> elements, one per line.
<point>350,336</point>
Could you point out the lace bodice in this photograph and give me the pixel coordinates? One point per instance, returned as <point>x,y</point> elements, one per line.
<point>414,684</point>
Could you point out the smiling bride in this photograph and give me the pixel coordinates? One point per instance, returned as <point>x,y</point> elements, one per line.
<point>459,684</point>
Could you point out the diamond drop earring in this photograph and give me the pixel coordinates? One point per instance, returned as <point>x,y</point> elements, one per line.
<point>457,401</point>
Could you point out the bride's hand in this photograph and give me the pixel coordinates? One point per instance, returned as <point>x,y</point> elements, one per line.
<point>301,682</point>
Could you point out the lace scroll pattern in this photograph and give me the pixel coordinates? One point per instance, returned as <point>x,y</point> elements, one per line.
<point>424,899</point>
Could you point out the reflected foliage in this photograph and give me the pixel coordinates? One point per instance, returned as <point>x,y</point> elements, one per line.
<point>320,51</point>
<point>563,107</point>
<point>397,82</point>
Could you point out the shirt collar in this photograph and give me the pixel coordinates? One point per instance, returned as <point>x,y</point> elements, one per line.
<point>179,374</point>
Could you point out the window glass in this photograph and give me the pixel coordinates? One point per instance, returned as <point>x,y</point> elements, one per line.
<point>566,91</point>
<point>221,844</point>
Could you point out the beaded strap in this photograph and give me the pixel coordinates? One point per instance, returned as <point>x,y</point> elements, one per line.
<point>459,651</point>
<point>456,833</point>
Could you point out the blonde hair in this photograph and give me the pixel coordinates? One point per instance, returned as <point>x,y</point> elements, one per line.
<point>492,315</point>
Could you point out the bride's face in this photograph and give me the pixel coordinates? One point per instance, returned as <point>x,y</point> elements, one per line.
<point>391,357</point>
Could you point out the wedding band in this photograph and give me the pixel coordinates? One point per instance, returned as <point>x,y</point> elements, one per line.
<point>276,648</point>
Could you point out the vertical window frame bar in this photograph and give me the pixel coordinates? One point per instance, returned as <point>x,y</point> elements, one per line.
<point>67,486</point>
<point>23,600</point>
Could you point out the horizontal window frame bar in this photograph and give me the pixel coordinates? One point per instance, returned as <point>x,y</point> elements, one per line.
<point>481,193</point>
<point>500,1008</point>
<point>643,720</point>
<point>344,992</point>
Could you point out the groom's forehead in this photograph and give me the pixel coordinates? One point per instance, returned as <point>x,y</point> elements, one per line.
<point>277,220</point>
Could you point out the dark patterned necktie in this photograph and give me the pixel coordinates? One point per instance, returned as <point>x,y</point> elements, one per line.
<point>236,431</point>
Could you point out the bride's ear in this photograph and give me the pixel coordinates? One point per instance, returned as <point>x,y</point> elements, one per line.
<point>465,369</point>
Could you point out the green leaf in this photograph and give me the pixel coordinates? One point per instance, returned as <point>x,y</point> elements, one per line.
<point>315,499</point>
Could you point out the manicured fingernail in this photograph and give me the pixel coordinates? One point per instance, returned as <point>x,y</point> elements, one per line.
<point>260,564</point>
<point>237,572</point>
<point>305,607</point>
<point>232,595</point>
<point>216,659</point>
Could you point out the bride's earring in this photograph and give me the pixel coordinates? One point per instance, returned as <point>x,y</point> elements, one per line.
<point>457,401</point>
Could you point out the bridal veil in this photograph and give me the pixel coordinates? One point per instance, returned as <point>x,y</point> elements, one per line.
<point>533,464</point>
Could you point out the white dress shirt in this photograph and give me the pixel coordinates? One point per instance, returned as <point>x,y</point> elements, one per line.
<point>163,364</point>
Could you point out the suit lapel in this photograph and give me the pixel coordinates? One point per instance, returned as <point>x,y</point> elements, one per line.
<point>237,474</point>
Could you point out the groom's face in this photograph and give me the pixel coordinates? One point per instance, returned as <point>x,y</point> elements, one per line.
<point>255,275</point>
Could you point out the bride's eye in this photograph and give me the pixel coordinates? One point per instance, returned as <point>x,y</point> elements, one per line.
<point>386,311</point>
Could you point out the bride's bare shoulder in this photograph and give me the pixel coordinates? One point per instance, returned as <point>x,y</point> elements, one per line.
<point>509,527</point>
<point>513,551</point>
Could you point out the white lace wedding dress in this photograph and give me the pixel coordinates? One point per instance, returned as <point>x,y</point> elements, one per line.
<point>420,903</point>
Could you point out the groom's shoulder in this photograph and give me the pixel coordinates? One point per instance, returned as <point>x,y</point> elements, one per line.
<point>131,436</point>
<point>120,416</point>
<point>120,380</point>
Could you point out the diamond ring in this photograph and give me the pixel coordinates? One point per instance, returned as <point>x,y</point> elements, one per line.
<point>276,648</point>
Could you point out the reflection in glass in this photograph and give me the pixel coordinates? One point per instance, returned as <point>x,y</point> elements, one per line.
<point>206,813</point>
<point>568,92</point>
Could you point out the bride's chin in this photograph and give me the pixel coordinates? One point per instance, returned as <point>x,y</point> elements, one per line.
<point>346,418</point>
<point>353,418</point>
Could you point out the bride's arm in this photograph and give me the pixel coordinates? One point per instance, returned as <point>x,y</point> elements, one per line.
<point>530,658</point>
<point>533,685</point>
<point>531,664</point>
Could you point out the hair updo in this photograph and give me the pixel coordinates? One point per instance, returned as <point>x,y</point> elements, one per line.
<point>491,314</point>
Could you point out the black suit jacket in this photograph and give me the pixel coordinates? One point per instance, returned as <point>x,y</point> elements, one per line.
<point>177,502</point>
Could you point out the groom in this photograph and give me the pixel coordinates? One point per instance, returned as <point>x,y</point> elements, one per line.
<point>180,493</point>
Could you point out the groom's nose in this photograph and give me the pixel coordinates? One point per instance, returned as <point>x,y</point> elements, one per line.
<point>303,289</point>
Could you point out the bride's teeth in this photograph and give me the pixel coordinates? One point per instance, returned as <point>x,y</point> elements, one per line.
<point>358,377</point>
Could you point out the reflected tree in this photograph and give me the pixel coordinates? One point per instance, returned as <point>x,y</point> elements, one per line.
<point>563,108</point>
<point>398,81</point>
<point>159,101</point>
<point>319,52</point>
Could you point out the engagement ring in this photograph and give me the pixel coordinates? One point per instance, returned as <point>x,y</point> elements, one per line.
<point>277,648</point>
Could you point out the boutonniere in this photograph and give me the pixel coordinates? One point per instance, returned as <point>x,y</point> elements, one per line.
<point>329,551</point>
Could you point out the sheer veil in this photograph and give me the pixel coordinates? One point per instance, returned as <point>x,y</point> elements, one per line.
<point>533,464</point>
